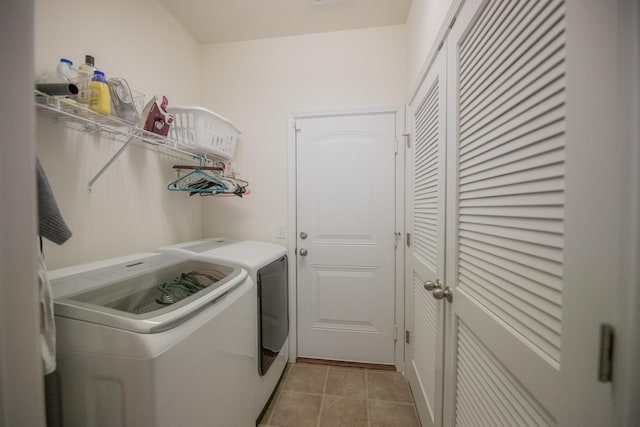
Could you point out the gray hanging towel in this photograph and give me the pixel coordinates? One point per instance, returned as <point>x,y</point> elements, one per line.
<point>51,225</point>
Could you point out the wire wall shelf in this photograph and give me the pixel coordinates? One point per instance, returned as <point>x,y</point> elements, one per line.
<point>78,116</point>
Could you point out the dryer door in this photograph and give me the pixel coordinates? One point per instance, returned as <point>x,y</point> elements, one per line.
<point>273,317</point>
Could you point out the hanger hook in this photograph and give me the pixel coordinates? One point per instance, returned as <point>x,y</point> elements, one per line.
<point>201,160</point>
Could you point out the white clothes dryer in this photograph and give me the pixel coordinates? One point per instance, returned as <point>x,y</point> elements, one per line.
<point>267,265</point>
<point>155,340</point>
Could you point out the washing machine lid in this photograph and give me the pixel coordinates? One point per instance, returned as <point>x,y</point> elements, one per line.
<point>144,293</point>
<point>248,254</point>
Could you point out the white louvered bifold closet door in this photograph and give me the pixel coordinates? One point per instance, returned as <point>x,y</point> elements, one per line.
<point>425,260</point>
<point>505,184</point>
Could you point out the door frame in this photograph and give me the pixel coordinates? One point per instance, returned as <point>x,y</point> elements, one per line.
<point>626,384</point>
<point>399,111</point>
<point>22,399</point>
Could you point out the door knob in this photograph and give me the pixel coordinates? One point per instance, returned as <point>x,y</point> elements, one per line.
<point>429,285</point>
<point>303,235</point>
<point>303,252</point>
<point>439,293</point>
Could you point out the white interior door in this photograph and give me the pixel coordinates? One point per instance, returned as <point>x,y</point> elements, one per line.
<point>514,353</point>
<point>345,236</point>
<point>506,210</point>
<point>425,255</point>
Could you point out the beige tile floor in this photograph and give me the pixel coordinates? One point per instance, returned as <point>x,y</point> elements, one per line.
<point>329,396</point>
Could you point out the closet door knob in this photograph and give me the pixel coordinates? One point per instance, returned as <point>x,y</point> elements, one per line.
<point>303,235</point>
<point>303,252</point>
<point>429,285</point>
<point>439,293</point>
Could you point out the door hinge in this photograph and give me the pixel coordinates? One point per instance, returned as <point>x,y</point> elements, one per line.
<point>407,139</point>
<point>605,368</point>
<point>407,337</point>
<point>395,333</point>
<point>396,238</point>
<point>396,152</point>
<point>408,239</point>
<point>296,124</point>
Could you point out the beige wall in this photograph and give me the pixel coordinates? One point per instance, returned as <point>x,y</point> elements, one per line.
<point>130,209</point>
<point>257,83</point>
<point>423,24</point>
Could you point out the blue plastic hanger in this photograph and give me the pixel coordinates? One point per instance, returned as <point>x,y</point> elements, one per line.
<point>198,181</point>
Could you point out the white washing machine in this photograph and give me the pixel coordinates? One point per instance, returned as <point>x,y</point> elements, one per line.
<point>155,340</point>
<point>266,264</point>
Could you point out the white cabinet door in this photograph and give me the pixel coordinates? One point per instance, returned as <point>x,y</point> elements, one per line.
<point>346,256</point>
<point>425,256</point>
<point>524,253</point>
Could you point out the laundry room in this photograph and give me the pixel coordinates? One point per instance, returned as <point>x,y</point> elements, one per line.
<point>321,212</point>
<point>122,198</point>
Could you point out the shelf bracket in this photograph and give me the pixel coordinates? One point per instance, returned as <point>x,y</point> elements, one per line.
<point>110,162</point>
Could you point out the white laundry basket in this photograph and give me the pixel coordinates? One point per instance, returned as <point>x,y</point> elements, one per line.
<point>204,130</point>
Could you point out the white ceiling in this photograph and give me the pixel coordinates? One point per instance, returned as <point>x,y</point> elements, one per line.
<point>215,21</point>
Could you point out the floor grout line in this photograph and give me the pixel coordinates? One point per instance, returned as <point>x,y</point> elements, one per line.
<point>306,393</point>
<point>366,395</point>
<point>324,390</point>
<point>391,401</point>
